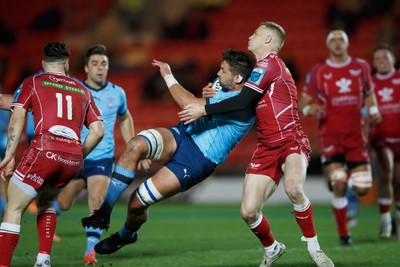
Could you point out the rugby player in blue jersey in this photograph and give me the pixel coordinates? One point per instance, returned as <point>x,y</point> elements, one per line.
<point>98,165</point>
<point>190,153</point>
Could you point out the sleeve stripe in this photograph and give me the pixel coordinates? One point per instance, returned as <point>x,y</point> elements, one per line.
<point>255,88</point>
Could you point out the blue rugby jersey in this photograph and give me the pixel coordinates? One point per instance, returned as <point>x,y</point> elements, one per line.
<point>111,101</point>
<point>217,135</point>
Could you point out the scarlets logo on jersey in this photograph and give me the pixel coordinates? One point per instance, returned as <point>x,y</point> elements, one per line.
<point>256,76</point>
<point>386,94</point>
<point>344,85</point>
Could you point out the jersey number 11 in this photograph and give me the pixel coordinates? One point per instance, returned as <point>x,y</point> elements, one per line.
<point>68,98</point>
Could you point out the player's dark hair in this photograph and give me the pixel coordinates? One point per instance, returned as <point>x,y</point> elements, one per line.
<point>56,52</point>
<point>386,47</point>
<point>240,62</point>
<point>97,49</point>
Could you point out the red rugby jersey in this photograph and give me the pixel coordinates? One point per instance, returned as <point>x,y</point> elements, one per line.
<point>276,111</point>
<point>60,106</point>
<point>340,89</point>
<point>387,92</point>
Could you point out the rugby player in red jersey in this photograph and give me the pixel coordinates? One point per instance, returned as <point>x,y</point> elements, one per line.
<point>61,106</point>
<point>282,149</point>
<point>335,92</point>
<point>385,137</point>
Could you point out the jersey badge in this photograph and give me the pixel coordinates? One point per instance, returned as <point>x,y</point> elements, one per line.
<point>111,103</point>
<point>386,94</point>
<point>216,85</point>
<point>344,85</point>
<point>256,76</point>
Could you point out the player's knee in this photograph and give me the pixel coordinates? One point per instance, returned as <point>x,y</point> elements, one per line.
<point>338,176</point>
<point>361,182</point>
<point>248,214</point>
<point>64,205</point>
<point>294,191</point>
<point>135,148</point>
<point>155,144</point>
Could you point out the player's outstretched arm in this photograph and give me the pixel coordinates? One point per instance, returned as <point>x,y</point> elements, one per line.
<point>181,96</point>
<point>96,133</point>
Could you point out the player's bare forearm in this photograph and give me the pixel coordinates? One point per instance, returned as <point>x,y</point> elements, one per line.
<point>126,126</point>
<point>15,129</point>
<point>181,96</point>
<point>96,133</point>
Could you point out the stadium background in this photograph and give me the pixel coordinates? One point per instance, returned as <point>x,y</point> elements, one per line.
<point>190,35</point>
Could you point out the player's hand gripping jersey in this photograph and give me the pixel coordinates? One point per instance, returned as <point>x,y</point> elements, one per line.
<point>218,135</point>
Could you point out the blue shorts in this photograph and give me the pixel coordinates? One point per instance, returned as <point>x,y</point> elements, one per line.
<point>96,167</point>
<point>188,163</point>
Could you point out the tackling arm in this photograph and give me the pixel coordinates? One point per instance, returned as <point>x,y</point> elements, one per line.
<point>194,111</point>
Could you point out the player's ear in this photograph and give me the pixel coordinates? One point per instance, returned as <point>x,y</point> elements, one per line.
<point>268,39</point>
<point>238,79</point>
<point>66,66</point>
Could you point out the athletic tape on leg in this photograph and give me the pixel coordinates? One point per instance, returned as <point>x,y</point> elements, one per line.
<point>148,193</point>
<point>154,142</point>
<point>338,176</point>
<point>361,179</point>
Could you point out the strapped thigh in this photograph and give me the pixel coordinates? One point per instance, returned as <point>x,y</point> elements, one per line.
<point>155,143</point>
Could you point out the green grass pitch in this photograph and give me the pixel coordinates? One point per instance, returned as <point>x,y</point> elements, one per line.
<point>212,236</point>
